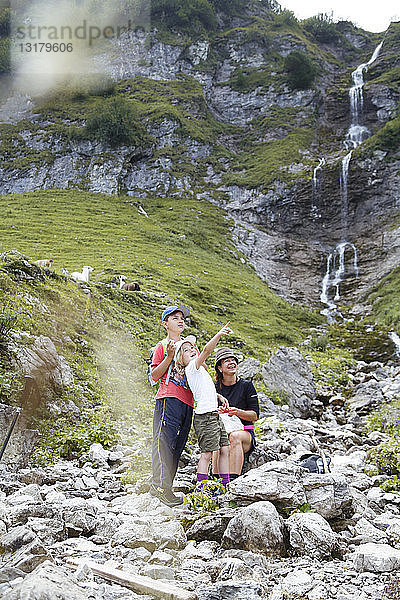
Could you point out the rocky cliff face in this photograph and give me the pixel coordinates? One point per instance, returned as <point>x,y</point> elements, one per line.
<point>259,151</point>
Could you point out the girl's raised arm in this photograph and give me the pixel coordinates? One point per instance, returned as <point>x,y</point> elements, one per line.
<point>211,345</point>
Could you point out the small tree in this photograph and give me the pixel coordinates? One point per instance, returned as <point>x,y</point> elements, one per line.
<point>322,28</point>
<point>300,69</point>
<point>115,121</point>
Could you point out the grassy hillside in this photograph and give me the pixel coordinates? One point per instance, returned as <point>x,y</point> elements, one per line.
<point>180,252</point>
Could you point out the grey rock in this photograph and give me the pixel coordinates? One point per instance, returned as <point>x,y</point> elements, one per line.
<point>47,582</point>
<point>10,574</point>
<point>28,556</point>
<point>277,481</point>
<point>105,526</point>
<point>161,558</point>
<point>49,530</point>
<point>329,495</point>
<point>211,527</point>
<point>158,572</point>
<point>297,583</point>
<point>79,516</point>
<point>49,371</point>
<point>98,454</point>
<point>230,590</point>
<point>257,528</point>
<point>248,368</point>
<point>286,484</point>
<point>378,558</point>
<point>152,535</point>
<point>289,372</point>
<point>17,537</point>
<point>366,396</point>
<point>311,535</point>
<point>366,532</point>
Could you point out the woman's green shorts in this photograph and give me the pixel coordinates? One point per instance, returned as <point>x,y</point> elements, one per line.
<point>210,431</point>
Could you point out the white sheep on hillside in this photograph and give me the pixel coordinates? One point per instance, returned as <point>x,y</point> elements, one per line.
<point>45,263</point>
<point>133,286</point>
<point>84,276</point>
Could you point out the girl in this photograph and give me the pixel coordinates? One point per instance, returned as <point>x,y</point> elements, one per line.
<point>207,422</point>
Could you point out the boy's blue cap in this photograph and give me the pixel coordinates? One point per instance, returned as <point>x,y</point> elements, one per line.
<point>172,309</point>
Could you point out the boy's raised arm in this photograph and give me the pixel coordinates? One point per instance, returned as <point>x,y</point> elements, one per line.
<point>211,345</point>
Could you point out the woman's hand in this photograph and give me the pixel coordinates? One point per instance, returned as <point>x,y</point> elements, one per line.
<point>234,411</point>
<point>224,402</point>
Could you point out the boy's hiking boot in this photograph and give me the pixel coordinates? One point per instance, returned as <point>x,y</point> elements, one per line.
<point>166,496</point>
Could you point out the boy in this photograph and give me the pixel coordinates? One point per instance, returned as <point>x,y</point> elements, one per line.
<point>208,425</point>
<point>173,408</point>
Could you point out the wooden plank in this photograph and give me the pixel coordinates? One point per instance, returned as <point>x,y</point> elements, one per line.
<point>137,583</point>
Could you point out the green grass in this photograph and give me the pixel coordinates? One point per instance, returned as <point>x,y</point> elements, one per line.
<point>260,165</point>
<point>385,300</point>
<point>182,252</point>
<point>153,100</point>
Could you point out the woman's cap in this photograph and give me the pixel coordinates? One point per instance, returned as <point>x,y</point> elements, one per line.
<point>223,353</point>
<point>173,309</point>
<point>178,345</point>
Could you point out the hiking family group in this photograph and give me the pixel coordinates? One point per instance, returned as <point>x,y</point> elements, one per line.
<point>224,411</point>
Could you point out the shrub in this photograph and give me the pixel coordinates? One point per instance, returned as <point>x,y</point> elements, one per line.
<point>386,457</point>
<point>322,28</point>
<point>184,14</point>
<point>300,69</point>
<point>330,368</point>
<point>204,499</point>
<point>286,18</point>
<point>115,122</point>
<point>319,342</point>
<point>10,384</point>
<point>391,485</point>
<point>239,80</point>
<point>8,321</point>
<point>386,419</point>
<point>67,438</point>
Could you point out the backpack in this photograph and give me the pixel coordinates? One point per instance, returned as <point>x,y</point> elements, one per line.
<point>313,463</point>
<point>150,361</point>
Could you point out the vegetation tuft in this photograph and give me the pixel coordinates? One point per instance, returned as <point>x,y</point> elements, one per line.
<point>301,70</point>
<point>115,121</point>
<point>386,456</point>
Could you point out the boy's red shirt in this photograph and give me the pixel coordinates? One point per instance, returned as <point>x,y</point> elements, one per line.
<point>177,385</point>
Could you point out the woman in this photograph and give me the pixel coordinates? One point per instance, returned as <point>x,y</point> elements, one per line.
<point>243,401</point>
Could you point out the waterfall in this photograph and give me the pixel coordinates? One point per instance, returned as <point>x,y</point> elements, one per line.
<point>396,341</point>
<point>335,273</point>
<point>356,134</point>
<point>315,187</point>
<point>344,176</point>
